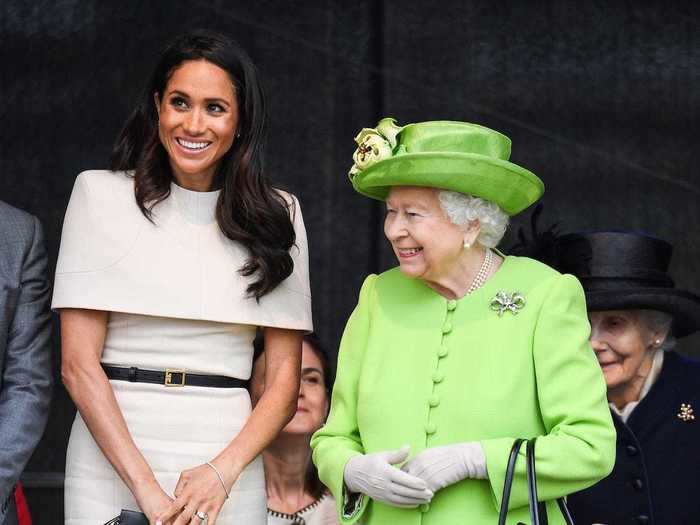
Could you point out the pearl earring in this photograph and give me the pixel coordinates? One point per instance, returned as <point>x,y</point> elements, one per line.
<point>467,245</point>
<point>657,342</point>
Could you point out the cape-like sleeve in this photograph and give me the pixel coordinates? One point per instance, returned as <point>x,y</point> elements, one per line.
<point>112,258</point>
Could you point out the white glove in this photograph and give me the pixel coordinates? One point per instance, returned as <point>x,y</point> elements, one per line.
<point>374,475</point>
<point>443,466</point>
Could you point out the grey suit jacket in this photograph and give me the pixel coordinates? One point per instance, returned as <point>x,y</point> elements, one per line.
<point>25,360</point>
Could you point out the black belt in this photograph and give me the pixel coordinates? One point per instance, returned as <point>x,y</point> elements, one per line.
<point>171,377</point>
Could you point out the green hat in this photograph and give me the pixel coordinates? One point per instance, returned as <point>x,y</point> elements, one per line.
<point>456,156</point>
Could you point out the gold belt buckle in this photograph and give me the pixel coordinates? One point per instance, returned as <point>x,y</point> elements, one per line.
<point>169,377</point>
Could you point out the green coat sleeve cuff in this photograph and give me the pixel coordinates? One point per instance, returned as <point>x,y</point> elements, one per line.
<point>331,471</point>
<point>497,452</point>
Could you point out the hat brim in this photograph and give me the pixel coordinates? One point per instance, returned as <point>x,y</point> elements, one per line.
<point>683,305</point>
<point>510,186</point>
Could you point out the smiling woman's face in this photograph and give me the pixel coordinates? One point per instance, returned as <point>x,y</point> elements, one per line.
<point>622,344</point>
<point>426,243</point>
<point>198,118</point>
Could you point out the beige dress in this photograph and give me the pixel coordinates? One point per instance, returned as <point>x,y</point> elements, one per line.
<point>175,301</point>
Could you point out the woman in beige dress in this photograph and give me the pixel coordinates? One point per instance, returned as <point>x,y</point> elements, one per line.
<point>168,264</point>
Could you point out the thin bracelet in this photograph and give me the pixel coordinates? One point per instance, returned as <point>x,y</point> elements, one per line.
<point>221,479</point>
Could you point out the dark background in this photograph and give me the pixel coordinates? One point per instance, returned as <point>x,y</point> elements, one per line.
<point>600,100</point>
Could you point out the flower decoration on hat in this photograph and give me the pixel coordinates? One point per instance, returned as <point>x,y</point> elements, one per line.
<point>374,144</point>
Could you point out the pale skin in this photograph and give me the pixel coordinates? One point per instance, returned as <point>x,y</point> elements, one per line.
<point>625,347</point>
<point>429,246</point>
<point>288,457</point>
<point>445,256</point>
<point>199,107</point>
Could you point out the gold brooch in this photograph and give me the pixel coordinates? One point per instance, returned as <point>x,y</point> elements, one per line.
<point>686,413</point>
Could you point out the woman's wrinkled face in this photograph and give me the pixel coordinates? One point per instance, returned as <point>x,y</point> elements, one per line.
<point>198,118</point>
<point>622,345</point>
<point>312,402</point>
<point>424,240</point>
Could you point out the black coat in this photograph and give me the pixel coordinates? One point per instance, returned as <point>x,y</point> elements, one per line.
<point>656,479</point>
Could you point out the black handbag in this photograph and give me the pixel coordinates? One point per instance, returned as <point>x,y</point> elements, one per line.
<point>129,517</point>
<point>538,511</point>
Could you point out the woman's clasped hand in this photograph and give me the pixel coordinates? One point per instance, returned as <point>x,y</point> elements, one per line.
<point>442,466</point>
<point>375,475</point>
<point>199,496</point>
<point>418,479</point>
<point>151,499</point>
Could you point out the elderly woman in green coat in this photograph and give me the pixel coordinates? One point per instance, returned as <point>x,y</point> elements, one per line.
<point>450,357</point>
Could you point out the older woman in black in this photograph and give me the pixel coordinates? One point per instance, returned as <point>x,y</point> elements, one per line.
<point>636,315</point>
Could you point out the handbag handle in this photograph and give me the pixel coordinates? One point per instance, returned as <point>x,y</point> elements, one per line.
<point>508,482</point>
<point>538,511</point>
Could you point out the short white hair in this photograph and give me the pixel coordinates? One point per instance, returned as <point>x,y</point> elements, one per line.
<point>659,322</point>
<point>461,209</point>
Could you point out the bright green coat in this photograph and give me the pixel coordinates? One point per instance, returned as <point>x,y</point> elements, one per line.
<point>417,369</point>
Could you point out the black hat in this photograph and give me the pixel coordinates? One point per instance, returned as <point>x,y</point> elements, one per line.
<point>626,271</point>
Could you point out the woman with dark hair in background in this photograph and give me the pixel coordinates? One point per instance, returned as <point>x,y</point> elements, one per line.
<point>295,494</point>
<point>167,266</point>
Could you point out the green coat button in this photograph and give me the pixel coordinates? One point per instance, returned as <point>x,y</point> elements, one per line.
<point>446,328</point>
<point>425,507</point>
<point>451,305</point>
<point>430,428</point>
<point>442,351</point>
<point>434,401</point>
<point>438,377</point>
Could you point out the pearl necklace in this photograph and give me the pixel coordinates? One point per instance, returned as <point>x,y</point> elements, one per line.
<point>483,272</point>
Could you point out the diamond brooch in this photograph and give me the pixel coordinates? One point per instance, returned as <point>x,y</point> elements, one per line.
<point>502,302</point>
<point>686,413</point>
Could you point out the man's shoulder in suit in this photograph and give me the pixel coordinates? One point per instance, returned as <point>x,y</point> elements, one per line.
<point>15,222</point>
<point>18,233</point>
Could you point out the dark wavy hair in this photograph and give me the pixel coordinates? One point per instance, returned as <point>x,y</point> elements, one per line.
<point>249,210</point>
